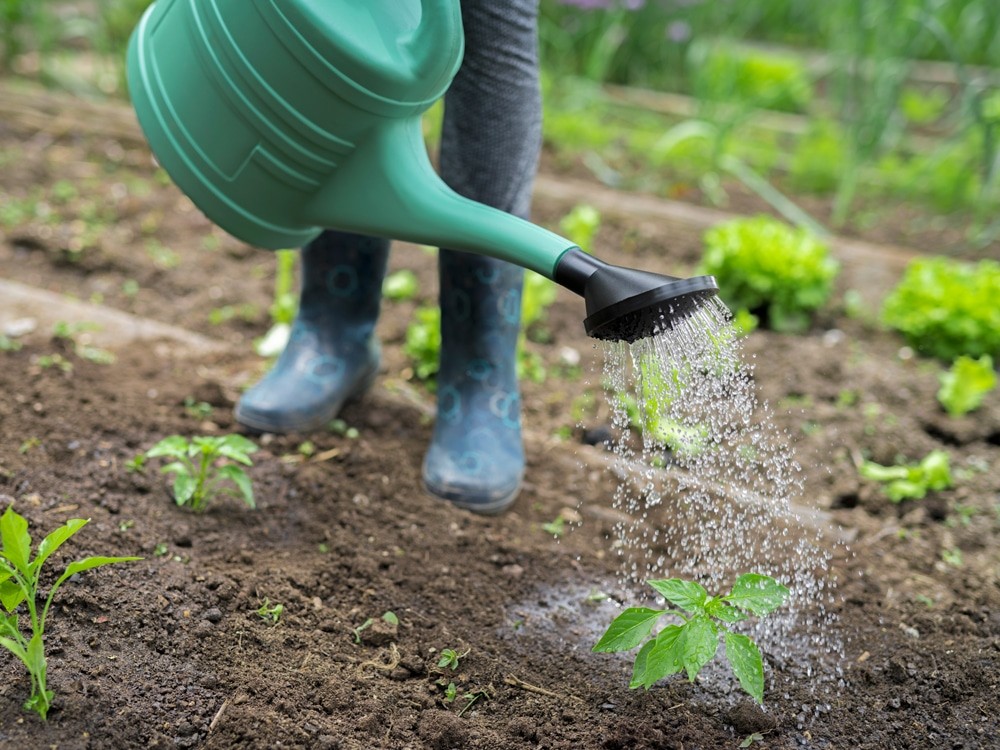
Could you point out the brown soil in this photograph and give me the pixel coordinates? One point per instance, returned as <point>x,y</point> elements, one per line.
<point>169,651</point>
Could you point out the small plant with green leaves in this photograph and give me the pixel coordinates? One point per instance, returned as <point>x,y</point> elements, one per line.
<point>207,468</point>
<point>580,226</point>
<point>270,613</point>
<point>965,385</point>
<point>649,410</point>
<point>389,618</point>
<point>19,584</point>
<point>911,481</point>
<point>779,273</point>
<point>946,308</point>
<point>704,620</point>
<point>423,342</point>
<point>450,658</point>
<point>401,285</point>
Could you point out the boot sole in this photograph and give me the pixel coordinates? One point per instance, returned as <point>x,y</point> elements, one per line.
<point>311,424</point>
<point>486,507</point>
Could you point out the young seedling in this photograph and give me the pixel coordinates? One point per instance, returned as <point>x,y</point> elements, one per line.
<point>913,481</point>
<point>450,658</point>
<point>203,465</point>
<point>19,578</point>
<point>270,613</point>
<point>387,617</point>
<point>690,645</point>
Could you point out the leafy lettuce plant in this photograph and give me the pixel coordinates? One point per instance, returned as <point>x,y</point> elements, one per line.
<point>966,384</point>
<point>690,645</point>
<point>203,466</point>
<point>768,267</point>
<point>912,481</point>
<point>19,584</point>
<point>946,308</point>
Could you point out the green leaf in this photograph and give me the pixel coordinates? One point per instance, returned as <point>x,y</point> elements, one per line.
<point>687,595</point>
<point>966,384</point>
<point>698,641</point>
<point>40,703</point>
<point>718,609</point>
<point>175,446</point>
<point>36,656</point>
<point>237,448</point>
<point>55,540</point>
<point>239,477</point>
<point>16,541</point>
<point>659,658</point>
<point>746,662</point>
<point>11,595</point>
<point>17,649</point>
<point>757,594</point>
<point>879,473</point>
<point>185,485</point>
<point>628,630</point>
<point>936,470</point>
<point>87,563</point>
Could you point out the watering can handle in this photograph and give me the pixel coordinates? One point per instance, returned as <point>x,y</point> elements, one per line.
<point>440,21</point>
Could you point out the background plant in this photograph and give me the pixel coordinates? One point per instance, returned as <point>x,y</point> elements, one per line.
<point>689,646</point>
<point>911,481</point>
<point>19,584</point>
<point>778,273</point>
<point>204,466</point>
<point>965,384</point>
<point>947,308</point>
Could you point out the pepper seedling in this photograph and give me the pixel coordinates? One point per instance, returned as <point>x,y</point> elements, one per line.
<point>691,645</point>
<point>196,485</point>
<point>19,576</point>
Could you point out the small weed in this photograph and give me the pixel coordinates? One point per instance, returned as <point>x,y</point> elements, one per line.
<point>388,617</point>
<point>450,693</point>
<point>245,312</point>
<point>160,550</point>
<point>751,739</point>
<point>19,580</point>
<point>54,361</point>
<point>401,286</point>
<point>450,658</point>
<point>136,464</point>
<point>925,600</point>
<point>197,409</point>
<point>952,557</point>
<point>556,527</point>
<point>28,445</point>
<point>198,484</point>
<point>340,427</point>
<point>161,255</point>
<point>270,613</point>
<point>7,344</point>
<point>423,342</point>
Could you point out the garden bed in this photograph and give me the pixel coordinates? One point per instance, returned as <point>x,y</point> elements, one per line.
<point>170,651</point>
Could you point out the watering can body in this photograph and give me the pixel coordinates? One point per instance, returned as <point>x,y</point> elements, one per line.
<point>280,118</point>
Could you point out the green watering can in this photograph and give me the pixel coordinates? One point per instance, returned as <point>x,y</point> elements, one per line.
<point>280,118</point>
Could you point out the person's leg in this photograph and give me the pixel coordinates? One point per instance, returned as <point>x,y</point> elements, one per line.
<point>332,353</point>
<point>490,144</point>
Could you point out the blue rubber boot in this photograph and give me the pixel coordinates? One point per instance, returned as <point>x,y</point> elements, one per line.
<point>490,142</point>
<point>476,456</point>
<point>332,354</point>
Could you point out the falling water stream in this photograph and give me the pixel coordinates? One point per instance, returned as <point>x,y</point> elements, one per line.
<point>709,488</point>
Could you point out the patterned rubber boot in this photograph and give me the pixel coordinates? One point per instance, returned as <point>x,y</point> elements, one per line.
<point>490,142</point>
<point>476,457</point>
<point>332,354</point>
